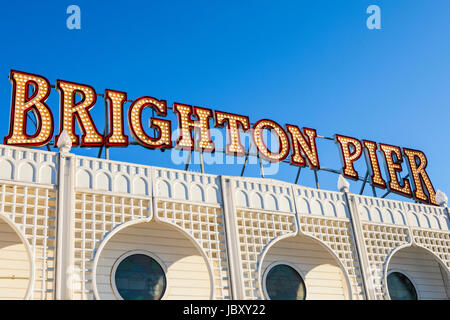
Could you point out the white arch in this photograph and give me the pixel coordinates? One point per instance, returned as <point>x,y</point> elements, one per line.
<point>147,220</point>
<point>84,178</point>
<point>6,169</point>
<point>285,204</point>
<point>139,186</point>
<point>270,202</point>
<point>409,245</point>
<point>317,207</point>
<point>29,252</point>
<point>26,171</point>
<point>180,191</point>
<point>99,183</point>
<point>256,200</point>
<point>320,242</point>
<point>242,199</point>
<point>121,183</point>
<point>303,205</point>
<point>330,209</point>
<point>197,193</point>
<point>212,194</point>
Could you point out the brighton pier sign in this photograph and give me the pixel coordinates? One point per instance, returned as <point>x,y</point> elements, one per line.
<point>30,92</point>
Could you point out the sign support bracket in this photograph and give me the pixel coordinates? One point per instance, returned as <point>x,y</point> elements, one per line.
<point>186,168</point>
<point>245,164</point>
<point>364,183</point>
<point>317,179</point>
<point>298,175</point>
<point>260,166</point>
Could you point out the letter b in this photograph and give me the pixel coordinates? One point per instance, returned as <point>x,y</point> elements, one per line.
<point>233,309</point>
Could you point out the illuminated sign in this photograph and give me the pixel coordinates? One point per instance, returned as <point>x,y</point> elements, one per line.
<point>30,92</point>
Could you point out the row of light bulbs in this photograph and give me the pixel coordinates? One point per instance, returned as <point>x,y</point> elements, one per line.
<point>303,142</point>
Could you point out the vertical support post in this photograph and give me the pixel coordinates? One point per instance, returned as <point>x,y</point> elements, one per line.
<point>298,175</point>
<point>202,165</point>
<point>374,191</point>
<point>65,225</point>
<point>364,183</point>
<point>186,168</point>
<point>101,148</point>
<point>231,235</point>
<point>245,164</point>
<point>317,179</point>
<point>261,166</point>
<point>360,246</point>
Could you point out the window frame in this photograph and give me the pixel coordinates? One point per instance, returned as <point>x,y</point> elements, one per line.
<point>126,255</point>
<point>289,264</point>
<point>407,276</point>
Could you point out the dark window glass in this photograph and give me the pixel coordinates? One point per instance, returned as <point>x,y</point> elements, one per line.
<point>400,287</point>
<point>284,283</point>
<point>139,277</point>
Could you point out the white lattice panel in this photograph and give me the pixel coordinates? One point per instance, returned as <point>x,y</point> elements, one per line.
<point>324,216</point>
<point>437,242</point>
<point>97,214</point>
<point>33,211</point>
<point>380,242</point>
<point>192,201</point>
<point>256,230</point>
<point>389,225</point>
<point>205,225</point>
<point>384,229</point>
<point>109,194</point>
<point>337,235</point>
<point>264,212</point>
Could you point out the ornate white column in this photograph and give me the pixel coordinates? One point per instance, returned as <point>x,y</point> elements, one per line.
<point>361,250</point>
<point>65,219</point>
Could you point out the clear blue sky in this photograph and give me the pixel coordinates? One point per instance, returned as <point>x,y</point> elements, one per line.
<point>310,63</point>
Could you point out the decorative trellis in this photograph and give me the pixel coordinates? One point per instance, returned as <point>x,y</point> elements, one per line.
<point>33,211</point>
<point>337,234</point>
<point>205,224</point>
<point>108,194</point>
<point>380,241</point>
<point>437,242</point>
<point>256,229</point>
<point>97,214</point>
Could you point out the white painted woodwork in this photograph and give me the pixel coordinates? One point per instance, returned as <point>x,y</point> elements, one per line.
<point>187,274</point>
<point>323,278</point>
